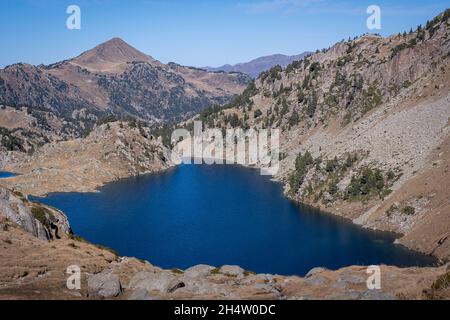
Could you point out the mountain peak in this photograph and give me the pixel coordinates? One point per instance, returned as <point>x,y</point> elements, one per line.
<point>116,40</point>
<point>117,43</point>
<point>109,55</point>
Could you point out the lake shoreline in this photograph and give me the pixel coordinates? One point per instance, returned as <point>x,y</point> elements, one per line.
<point>306,213</point>
<point>101,184</point>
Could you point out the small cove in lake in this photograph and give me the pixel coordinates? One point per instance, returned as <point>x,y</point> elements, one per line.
<point>4,175</point>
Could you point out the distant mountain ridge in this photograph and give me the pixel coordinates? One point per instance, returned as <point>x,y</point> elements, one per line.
<point>255,67</point>
<point>116,79</point>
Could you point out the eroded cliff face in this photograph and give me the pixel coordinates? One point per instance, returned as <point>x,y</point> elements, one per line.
<point>41,221</point>
<point>365,131</point>
<point>112,151</point>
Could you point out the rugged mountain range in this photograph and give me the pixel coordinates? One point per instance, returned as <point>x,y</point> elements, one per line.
<point>254,67</point>
<point>365,134</point>
<point>114,78</point>
<point>365,131</point>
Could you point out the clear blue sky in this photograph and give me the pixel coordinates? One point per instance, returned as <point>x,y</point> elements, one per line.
<point>197,33</point>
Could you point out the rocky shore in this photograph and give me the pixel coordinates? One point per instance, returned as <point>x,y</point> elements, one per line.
<point>35,267</point>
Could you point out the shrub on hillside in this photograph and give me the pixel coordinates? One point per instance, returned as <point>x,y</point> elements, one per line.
<point>302,164</point>
<point>367,182</point>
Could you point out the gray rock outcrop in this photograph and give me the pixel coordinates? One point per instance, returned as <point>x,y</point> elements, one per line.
<point>44,223</point>
<point>104,285</point>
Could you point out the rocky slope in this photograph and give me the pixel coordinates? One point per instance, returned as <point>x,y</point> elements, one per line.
<point>365,131</point>
<point>115,78</point>
<point>35,267</point>
<point>26,129</point>
<point>112,151</point>
<point>256,66</point>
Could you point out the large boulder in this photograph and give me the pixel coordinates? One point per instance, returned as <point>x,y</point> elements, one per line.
<point>104,285</point>
<point>232,271</point>
<point>198,271</point>
<point>163,282</point>
<point>140,295</point>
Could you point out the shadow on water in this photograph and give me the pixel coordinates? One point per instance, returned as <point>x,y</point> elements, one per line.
<point>216,215</point>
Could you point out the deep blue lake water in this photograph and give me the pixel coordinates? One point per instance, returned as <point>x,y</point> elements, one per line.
<point>220,215</point>
<point>6,174</point>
